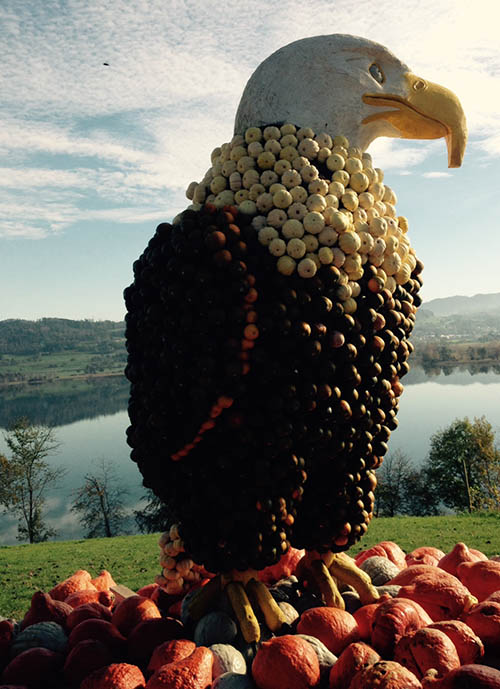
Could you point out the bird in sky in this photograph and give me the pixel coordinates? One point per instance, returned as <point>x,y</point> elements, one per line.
<point>268,324</point>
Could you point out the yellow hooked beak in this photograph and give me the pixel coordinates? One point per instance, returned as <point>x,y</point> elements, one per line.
<point>428,111</point>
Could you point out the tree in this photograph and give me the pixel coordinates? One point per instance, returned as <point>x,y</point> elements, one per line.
<point>463,466</point>
<point>154,516</point>
<point>392,477</point>
<point>419,497</point>
<point>99,501</point>
<point>26,477</point>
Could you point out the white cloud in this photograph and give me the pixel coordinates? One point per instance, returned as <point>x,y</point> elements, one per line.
<point>40,137</point>
<point>436,175</point>
<point>132,135</point>
<point>394,154</point>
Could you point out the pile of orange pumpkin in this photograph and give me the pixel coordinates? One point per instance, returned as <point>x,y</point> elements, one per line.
<point>436,626</point>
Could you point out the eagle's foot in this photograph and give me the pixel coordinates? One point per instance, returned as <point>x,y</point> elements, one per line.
<point>327,572</point>
<point>313,572</point>
<point>248,596</point>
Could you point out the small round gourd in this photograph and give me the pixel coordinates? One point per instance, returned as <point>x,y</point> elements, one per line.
<point>379,569</point>
<point>233,680</point>
<point>227,659</point>
<point>215,628</point>
<point>326,658</point>
<point>41,634</point>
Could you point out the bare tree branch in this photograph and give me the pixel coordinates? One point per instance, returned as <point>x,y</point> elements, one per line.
<point>99,502</point>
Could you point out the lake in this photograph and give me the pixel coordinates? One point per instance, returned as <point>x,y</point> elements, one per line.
<point>90,419</point>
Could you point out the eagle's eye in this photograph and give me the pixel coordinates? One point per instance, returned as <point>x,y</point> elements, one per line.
<point>377,73</point>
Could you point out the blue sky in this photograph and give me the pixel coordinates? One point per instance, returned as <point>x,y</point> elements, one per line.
<point>92,157</point>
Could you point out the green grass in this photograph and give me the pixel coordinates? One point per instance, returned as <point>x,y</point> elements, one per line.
<point>133,560</point>
<point>24,569</point>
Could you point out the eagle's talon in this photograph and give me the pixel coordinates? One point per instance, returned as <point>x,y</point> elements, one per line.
<point>345,571</point>
<point>245,615</point>
<point>327,571</point>
<point>202,601</point>
<point>313,570</point>
<point>327,585</point>
<point>273,615</point>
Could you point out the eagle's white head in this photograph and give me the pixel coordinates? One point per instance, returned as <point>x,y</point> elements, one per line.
<point>347,85</point>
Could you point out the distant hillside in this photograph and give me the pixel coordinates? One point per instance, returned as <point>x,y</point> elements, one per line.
<point>51,335</point>
<point>460,319</point>
<point>449,306</point>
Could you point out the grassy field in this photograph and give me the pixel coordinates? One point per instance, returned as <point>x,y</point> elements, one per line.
<point>61,364</point>
<point>133,560</point>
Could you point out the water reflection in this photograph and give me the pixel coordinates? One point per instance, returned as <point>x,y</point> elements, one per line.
<point>454,374</point>
<point>63,402</point>
<point>91,419</point>
<point>473,368</point>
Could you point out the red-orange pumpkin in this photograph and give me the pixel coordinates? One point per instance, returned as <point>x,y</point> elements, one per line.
<point>334,627</point>
<point>355,657</point>
<point>459,553</point>
<point>482,577</point>
<point>133,610</point>
<point>425,649</point>
<point>286,662</point>
<point>387,549</point>
<point>469,646</point>
<point>394,619</point>
<point>79,581</point>
<point>386,674</point>
<point>115,676</point>
<point>193,672</point>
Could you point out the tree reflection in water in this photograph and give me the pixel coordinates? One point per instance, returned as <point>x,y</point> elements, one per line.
<point>64,402</point>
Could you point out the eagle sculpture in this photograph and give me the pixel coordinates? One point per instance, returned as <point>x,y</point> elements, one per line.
<point>268,325</point>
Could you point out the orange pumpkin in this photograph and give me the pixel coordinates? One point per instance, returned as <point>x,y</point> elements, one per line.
<point>133,610</point>
<point>6,636</point>
<point>84,658</point>
<point>286,662</point>
<point>170,652</point>
<point>459,553</point>
<point>283,568</point>
<point>364,618</point>
<point>78,598</point>
<point>394,619</point>
<point>469,646</point>
<point>148,634</point>
<point>442,599</point>
<point>387,549</point>
<point>44,609</point>
<point>104,581</point>
<point>193,672</point>
<point>425,649</point>
<point>407,576</point>
<point>465,677</point>
<point>35,667</point>
<point>100,630</point>
<point>482,577</point>
<point>117,676</point>
<point>353,658</point>
<point>79,581</point>
<point>88,611</point>
<point>336,628</point>
<point>386,674</point>
<point>425,555</point>
<point>484,620</point>
<point>147,590</point>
